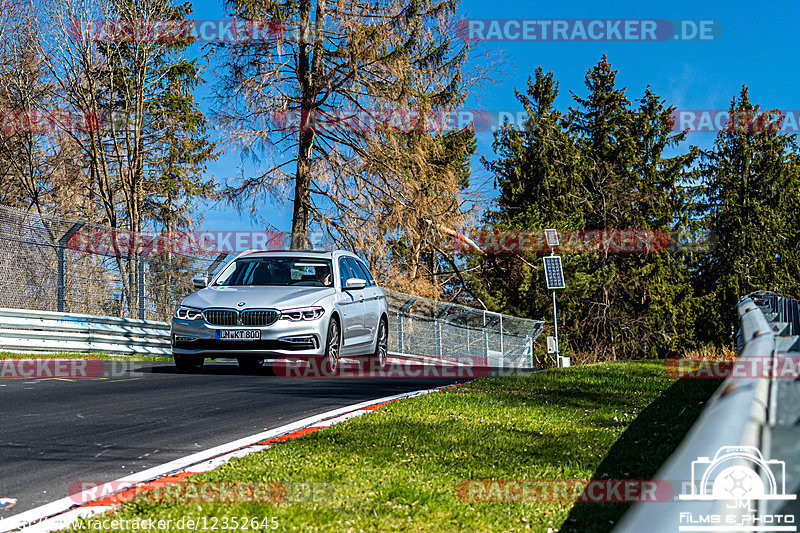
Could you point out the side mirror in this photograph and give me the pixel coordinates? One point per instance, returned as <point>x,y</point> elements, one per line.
<point>354,284</point>
<point>200,282</point>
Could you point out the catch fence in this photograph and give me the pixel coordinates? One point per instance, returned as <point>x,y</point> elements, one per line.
<point>52,263</point>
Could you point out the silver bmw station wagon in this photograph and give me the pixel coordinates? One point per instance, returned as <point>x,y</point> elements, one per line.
<point>283,304</point>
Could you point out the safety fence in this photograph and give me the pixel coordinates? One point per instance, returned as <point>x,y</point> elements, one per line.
<point>46,265</point>
<point>448,331</point>
<point>58,265</point>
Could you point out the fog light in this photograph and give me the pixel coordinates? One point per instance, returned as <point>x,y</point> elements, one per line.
<point>301,341</point>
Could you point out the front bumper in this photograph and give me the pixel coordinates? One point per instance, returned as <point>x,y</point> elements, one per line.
<point>284,338</point>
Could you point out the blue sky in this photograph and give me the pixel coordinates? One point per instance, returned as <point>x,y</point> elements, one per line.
<point>757,46</point>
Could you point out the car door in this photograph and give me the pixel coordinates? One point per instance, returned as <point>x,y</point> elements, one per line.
<point>351,308</point>
<point>371,301</point>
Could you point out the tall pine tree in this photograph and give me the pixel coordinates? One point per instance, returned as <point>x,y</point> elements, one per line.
<point>748,199</point>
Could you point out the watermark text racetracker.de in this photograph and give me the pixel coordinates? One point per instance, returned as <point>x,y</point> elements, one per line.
<point>122,242</point>
<point>564,490</point>
<point>738,121</point>
<point>466,367</point>
<point>488,240</point>
<point>588,30</point>
<point>53,369</point>
<point>180,31</point>
<point>182,489</point>
<point>66,368</point>
<point>39,121</point>
<point>782,366</point>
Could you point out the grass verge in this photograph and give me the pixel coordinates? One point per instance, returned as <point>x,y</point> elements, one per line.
<point>88,356</point>
<point>398,468</point>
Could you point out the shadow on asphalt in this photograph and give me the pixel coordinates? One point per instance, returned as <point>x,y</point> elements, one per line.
<point>232,369</point>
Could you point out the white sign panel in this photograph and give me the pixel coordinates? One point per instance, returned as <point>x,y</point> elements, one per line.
<point>551,236</point>
<point>551,344</point>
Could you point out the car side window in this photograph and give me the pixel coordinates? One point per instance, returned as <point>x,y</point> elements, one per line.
<point>369,278</point>
<point>355,268</point>
<point>344,271</point>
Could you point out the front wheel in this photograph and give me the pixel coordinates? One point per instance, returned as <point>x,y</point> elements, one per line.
<point>329,363</point>
<point>378,359</point>
<point>188,364</point>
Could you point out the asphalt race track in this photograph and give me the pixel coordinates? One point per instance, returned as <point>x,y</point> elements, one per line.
<point>55,432</point>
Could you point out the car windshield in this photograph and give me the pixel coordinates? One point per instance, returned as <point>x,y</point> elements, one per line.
<point>281,271</point>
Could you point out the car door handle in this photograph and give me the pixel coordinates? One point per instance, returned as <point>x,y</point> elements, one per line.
<point>361,298</point>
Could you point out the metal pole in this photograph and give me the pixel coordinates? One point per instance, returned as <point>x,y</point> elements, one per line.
<point>217,262</point>
<point>485,338</point>
<point>502,347</point>
<point>62,267</point>
<point>141,286</point>
<point>555,330</point>
<point>400,313</point>
<point>141,282</point>
<point>437,329</point>
<point>437,336</point>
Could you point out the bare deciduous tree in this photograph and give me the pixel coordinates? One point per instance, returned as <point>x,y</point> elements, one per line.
<point>337,71</point>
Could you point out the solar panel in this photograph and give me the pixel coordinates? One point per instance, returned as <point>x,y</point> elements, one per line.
<point>553,272</point>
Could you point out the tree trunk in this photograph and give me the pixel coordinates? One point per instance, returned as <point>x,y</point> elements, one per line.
<point>302,192</point>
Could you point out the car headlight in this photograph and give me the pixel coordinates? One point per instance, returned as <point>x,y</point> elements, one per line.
<point>188,313</point>
<point>302,313</point>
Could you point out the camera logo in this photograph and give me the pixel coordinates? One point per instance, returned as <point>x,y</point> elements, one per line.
<point>738,473</point>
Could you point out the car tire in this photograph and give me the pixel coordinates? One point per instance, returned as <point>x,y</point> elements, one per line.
<point>188,364</point>
<point>250,364</point>
<point>378,358</point>
<point>329,363</point>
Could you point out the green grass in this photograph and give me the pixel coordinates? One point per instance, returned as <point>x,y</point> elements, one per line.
<point>91,356</point>
<point>397,469</point>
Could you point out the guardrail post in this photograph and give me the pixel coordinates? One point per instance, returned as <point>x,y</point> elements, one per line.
<point>62,267</point>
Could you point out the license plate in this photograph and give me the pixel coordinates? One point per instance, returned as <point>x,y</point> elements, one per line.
<point>238,334</point>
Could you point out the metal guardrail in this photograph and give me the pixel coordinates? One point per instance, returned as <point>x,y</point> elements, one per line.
<point>45,331</point>
<point>741,413</point>
<point>421,336</point>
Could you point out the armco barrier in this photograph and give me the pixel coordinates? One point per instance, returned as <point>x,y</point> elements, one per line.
<point>24,330</point>
<point>740,414</point>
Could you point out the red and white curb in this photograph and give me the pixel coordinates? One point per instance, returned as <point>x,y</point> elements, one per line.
<point>62,513</point>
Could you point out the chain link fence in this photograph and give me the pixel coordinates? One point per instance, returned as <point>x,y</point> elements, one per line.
<point>453,332</point>
<point>51,263</point>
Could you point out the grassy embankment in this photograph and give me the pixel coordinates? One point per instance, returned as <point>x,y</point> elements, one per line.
<point>398,467</point>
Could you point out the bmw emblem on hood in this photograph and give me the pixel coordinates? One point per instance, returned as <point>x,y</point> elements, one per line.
<point>241,304</point>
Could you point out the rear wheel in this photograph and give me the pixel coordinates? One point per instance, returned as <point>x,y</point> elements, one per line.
<point>188,364</point>
<point>378,359</point>
<point>250,364</point>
